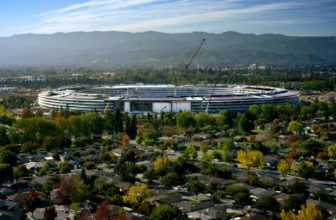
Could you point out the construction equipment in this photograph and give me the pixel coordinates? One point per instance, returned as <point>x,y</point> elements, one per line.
<point>212,92</point>
<point>187,64</point>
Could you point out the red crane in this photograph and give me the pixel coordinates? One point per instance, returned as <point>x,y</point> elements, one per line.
<point>187,64</point>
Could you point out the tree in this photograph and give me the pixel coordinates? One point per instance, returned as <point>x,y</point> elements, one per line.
<point>267,203</point>
<point>71,189</point>
<point>118,119</point>
<point>127,125</point>
<point>309,212</point>
<point>226,119</point>
<point>251,158</point>
<point>136,194</point>
<point>150,136</point>
<point>242,198</point>
<point>295,127</point>
<point>64,166</point>
<point>332,151</point>
<point>133,127</point>
<point>161,163</point>
<point>165,212</point>
<point>287,215</point>
<point>31,200</point>
<point>125,139</point>
<point>185,119</point>
<point>195,186</point>
<point>6,172</point>
<point>8,157</point>
<point>20,171</point>
<point>3,136</point>
<point>284,167</point>
<point>50,213</point>
<point>306,169</point>
<point>244,125</point>
<point>102,212</point>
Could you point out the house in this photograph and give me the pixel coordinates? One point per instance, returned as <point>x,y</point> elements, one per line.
<point>282,198</point>
<point>129,216</point>
<point>188,206</point>
<point>170,197</point>
<point>6,191</point>
<point>258,192</point>
<point>9,205</point>
<point>217,212</point>
<point>5,215</point>
<point>320,204</point>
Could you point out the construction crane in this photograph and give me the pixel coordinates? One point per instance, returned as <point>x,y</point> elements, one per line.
<point>187,64</point>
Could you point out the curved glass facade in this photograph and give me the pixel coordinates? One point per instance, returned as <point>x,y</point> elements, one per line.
<point>156,98</point>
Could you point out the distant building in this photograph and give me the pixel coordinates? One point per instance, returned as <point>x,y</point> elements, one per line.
<point>139,98</point>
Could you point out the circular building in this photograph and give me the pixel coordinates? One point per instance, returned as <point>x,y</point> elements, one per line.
<point>139,98</point>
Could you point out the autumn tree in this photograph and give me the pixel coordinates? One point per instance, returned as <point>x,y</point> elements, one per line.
<point>50,213</point>
<point>125,139</point>
<point>332,151</point>
<point>136,194</point>
<point>102,212</point>
<point>71,190</point>
<point>287,215</point>
<point>309,212</point>
<point>251,158</point>
<point>161,163</point>
<point>31,200</point>
<point>284,167</point>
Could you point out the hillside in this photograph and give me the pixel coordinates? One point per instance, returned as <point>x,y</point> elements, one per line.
<point>153,49</point>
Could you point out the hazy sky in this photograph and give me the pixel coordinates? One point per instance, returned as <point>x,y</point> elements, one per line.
<point>291,17</point>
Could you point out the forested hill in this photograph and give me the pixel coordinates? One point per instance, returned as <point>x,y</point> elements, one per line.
<point>153,49</point>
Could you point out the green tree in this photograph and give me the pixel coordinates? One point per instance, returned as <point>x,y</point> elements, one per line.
<point>226,119</point>
<point>165,212</point>
<point>295,127</point>
<point>64,166</point>
<point>8,157</point>
<point>4,140</point>
<point>185,119</point>
<point>20,171</point>
<point>195,186</point>
<point>150,136</point>
<point>244,125</point>
<point>6,172</point>
<point>306,169</point>
<point>267,203</point>
<point>133,126</point>
<point>118,121</point>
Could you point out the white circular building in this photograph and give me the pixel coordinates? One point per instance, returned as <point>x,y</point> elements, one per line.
<point>139,98</point>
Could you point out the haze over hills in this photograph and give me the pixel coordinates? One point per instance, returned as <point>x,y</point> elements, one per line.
<point>154,49</point>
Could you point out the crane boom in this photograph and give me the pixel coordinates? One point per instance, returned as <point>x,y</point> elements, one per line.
<point>187,65</point>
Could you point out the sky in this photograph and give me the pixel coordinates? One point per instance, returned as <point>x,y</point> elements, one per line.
<point>289,17</point>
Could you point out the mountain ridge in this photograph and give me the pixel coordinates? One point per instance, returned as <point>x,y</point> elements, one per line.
<point>157,49</point>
